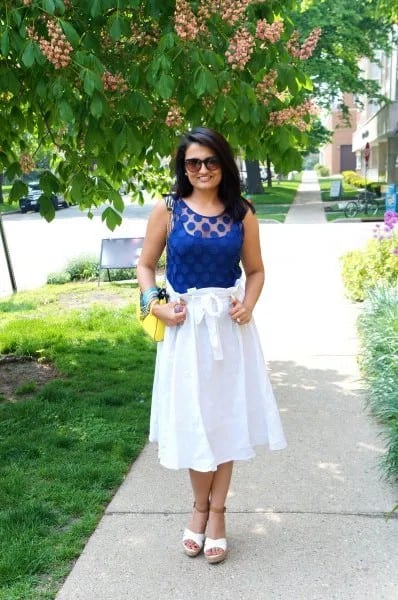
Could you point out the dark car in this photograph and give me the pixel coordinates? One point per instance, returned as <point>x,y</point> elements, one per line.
<point>31,201</point>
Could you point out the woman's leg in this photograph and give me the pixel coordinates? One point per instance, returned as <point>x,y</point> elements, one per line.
<point>201,485</point>
<point>218,495</point>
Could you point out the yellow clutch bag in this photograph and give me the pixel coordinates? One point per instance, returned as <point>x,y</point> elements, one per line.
<point>153,326</point>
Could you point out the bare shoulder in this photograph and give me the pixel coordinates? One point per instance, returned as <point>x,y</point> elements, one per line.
<point>250,221</point>
<point>160,208</point>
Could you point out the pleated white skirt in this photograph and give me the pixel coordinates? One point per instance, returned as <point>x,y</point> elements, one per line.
<point>212,400</point>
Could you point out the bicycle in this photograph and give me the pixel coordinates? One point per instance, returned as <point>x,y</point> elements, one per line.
<point>367,203</point>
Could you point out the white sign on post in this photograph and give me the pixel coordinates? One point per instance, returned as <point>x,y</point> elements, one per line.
<point>336,188</point>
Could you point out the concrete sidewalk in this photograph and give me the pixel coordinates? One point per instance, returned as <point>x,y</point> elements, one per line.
<point>307,523</point>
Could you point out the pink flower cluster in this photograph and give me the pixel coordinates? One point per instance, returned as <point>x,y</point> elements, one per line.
<point>266,87</point>
<point>174,116</point>
<point>294,115</point>
<point>143,38</point>
<point>57,49</point>
<point>207,102</point>
<point>305,51</point>
<point>114,83</point>
<point>270,32</point>
<point>185,22</point>
<point>240,49</point>
<point>27,163</point>
<point>232,11</point>
<point>388,231</point>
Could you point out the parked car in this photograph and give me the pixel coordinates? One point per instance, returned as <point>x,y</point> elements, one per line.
<point>31,200</point>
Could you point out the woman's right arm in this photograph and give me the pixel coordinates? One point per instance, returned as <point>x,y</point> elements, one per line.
<point>154,244</point>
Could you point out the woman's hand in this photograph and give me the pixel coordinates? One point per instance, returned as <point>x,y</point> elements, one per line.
<point>240,313</point>
<point>171,313</point>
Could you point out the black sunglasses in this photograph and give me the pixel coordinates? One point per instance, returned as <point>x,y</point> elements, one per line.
<point>193,165</point>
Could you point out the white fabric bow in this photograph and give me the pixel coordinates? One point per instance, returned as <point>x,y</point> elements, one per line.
<point>209,307</point>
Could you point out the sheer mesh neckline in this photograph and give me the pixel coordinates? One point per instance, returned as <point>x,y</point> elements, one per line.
<point>203,226</point>
<point>221,214</point>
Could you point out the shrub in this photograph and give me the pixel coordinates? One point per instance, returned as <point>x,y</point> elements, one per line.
<point>119,274</point>
<point>378,328</point>
<point>352,178</point>
<point>83,268</point>
<point>375,186</point>
<point>321,170</point>
<point>58,278</point>
<point>362,270</point>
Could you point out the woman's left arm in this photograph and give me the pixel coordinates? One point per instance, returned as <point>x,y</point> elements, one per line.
<point>254,270</point>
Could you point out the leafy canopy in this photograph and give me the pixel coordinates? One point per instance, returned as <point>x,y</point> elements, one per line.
<point>108,86</point>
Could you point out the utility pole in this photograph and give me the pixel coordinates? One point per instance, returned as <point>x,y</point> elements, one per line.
<point>7,255</point>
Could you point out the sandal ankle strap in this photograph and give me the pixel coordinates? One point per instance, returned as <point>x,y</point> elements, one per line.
<point>206,510</point>
<point>215,509</point>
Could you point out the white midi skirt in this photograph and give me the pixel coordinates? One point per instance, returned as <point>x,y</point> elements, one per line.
<point>212,400</point>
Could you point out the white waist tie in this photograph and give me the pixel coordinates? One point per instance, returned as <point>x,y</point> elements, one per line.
<point>209,304</point>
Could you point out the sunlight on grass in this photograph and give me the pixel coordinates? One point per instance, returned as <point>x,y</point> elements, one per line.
<point>65,450</point>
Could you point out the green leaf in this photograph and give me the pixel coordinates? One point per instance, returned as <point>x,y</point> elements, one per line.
<point>47,209</point>
<point>70,32</point>
<point>211,83</point>
<point>116,28</point>
<point>165,86</point>
<point>96,8</point>
<point>18,190</point>
<point>49,6</point>
<point>79,182</point>
<point>94,137</point>
<point>89,83</point>
<point>60,6</point>
<point>200,81</point>
<point>116,200</point>
<point>230,108</point>
<point>134,142</point>
<point>167,41</point>
<point>111,217</point>
<point>28,56</point>
<point>5,43</point>
<point>66,111</point>
<point>97,106</point>
<point>16,16</point>
<point>13,170</point>
<point>220,109</point>
<point>119,142</point>
<point>49,183</point>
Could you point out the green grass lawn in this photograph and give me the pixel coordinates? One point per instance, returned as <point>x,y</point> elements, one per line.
<point>66,447</point>
<point>6,206</point>
<point>338,213</point>
<point>275,202</point>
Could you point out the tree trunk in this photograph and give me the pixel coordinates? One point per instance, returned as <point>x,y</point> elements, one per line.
<point>269,172</point>
<point>253,183</point>
<point>1,188</point>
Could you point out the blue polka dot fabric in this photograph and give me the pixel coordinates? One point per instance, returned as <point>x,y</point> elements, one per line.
<point>203,251</point>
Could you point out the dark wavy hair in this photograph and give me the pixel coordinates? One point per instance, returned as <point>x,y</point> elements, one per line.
<point>230,186</point>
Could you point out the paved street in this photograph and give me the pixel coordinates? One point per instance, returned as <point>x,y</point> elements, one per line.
<point>38,248</point>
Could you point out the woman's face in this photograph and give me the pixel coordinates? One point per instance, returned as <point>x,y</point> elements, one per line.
<point>206,175</point>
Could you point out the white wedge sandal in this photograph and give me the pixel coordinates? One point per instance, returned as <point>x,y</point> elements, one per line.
<point>220,544</point>
<point>191,536</point>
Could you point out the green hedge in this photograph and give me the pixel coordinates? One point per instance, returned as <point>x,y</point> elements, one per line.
<point>352,178</point>
<point>378,328</point>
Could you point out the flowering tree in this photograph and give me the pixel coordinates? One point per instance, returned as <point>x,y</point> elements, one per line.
<point>109,85</point>
<point>351,29</point>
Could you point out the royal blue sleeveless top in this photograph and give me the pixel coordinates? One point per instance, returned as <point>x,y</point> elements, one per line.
<point>203,251</point>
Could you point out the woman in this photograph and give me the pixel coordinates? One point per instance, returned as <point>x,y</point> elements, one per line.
<point>212,400</point>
